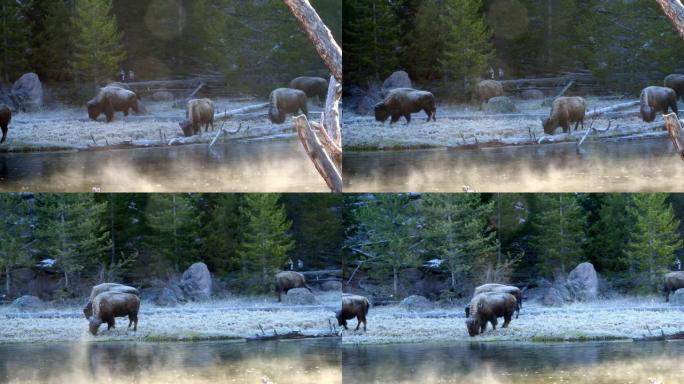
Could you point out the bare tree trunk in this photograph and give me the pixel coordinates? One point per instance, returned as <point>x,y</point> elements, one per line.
<point>674,10</point>
<point>175,232</point>
<point>111,228</point>
<point>395,279</point>
<point>7,279</point>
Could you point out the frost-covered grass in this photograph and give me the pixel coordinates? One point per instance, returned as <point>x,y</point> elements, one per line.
<point>219,319</point>
<point>69,127</point>
<point>363,132</point>
<point>603,320</point>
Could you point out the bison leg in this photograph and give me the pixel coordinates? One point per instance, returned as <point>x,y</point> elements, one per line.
<point>407,116</point>
<point>566,127</point>
<point>358,323</point>
<point>4,134</point>
<point>395,118</point>
<point>133,319</point>
<point>344,324</point>
<point>507,320</point>
<point>667,295</point>
<point>494,322</point>
<point>673,105</point>
<point>110,324</point>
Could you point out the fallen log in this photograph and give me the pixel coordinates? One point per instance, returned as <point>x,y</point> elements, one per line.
<point>674,129</point>
<point>239,111</point>
<point>314,149</point>
<point>612,108</point>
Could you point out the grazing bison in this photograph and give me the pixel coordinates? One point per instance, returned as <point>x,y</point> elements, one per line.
<point>486,89</point>
<point>286,280</point>
<point>656,99</point>
<point>286,100</point>
<point>109,305</point>
<point>353,306</point>
<point>110,100</point>
<point>486,307</point>
<point>676,82</point>
<point>673,281</point>
<point>200,111</point>
<point>565,110</point>
<point>312,86</point>
<point>515,291</point>
<point>404,101</point>
<point>5,117</point>
<point>105,287</point>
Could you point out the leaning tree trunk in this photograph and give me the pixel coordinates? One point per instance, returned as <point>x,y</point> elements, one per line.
<point>674,10</point>
<point>322,140</point>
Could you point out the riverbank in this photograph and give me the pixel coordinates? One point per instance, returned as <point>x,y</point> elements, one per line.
<point>227,319</point>
<point>69,128</point>
<point>465,126</point>
<point>614,319</point>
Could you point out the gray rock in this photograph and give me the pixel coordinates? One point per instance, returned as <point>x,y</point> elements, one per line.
<point>196,282</point>
<point>162,96</point>
<point>500,104</point>
<point>299,296</point>
<point>677,298</point>
<point>416,303</point>
<point>583,283</point>
<point>27,92</point>
<point>166,298</point>
<point>28,303</point>
<point>398,79</point>
<point>532,94</point>
<point>552,298</point>
<point>332,285</point>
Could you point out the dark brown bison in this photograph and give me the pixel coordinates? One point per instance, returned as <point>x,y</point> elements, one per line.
<point>487,307</point>
<point>5,118</point>
<point>486,89</point>
<point>673,282</point>
<point>353,306</point>
<point>565,110</point>
<point>286,280</point>
<point>109,305</point>
<point>656,99</point>
<point>199,111</point>
<point>515,291</point>
<point>404,101</point>
<point>110,100</point>
<point>106,287</point>
<point>286,100</point>
<point>312,86</point>
<point>676,82</point>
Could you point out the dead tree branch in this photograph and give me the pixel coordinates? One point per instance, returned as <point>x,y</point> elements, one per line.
<point>674,10</point>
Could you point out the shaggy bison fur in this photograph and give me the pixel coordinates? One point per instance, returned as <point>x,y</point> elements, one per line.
<point>486,89</point>
<point>109,305</point>
<point>112,99</point>
<point>353,306</point>
<point>106,287</point>
<point>515,291</point>
<point>673,282</point>
<point>565,110</point>
<point>286,100</point>
<point>676,82</point>
<point>656,99</point>
<point>312,86</point>
<point>286,280</point>
<point>199,111</point>
<point>487,307</point>
<point>404,101</point>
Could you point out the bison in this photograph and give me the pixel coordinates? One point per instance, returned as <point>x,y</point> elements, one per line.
<point>676,82</point>
<point>404,101</point>
<point>486,89</point>
<point>109,305</point>
<point>286,280</point>
<point>312,86</point>
<point>286,100</point>
<point>5,118</point>
<point>105,287</point>
<point>112,99</point>
<point>655,99</point>
<point>515,291</point>
<point>200,111</point>
<point>565,110</point>
<point>487,307</point>
<point>353,306</point>
<point>673,281</point>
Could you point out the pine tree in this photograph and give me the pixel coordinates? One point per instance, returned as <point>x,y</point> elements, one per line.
<point>15,235</point>
<point>654,239</point>
<point>468,46</point>
<point>222,228</point>
<point>97,42</point>
<point>426,41</point>
<point>14,43</point>
<point>51,46</point>
<point>266,238</point>
<point>390,227</point>
<point>175,222</point>
<point>458,230</point>
<point>558,232</point>
<point>71,230</point>
<point>609,234</point>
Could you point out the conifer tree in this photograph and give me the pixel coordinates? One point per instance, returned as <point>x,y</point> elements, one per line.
<point>426,41</point>
<point>608,236</point>
<point>14,39</point>
<point>222,228</point>
<point>15,235</point>
<point>51,47</point>
<point>97,42</point>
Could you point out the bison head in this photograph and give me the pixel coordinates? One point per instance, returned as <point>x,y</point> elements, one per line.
<point>93,325</point>
<point>88,309</point>
<point>549,126</point>
<point>94,110</point>
<point>381,112</point>
<point>276,116</point>
<point>340,320</point>
<point>186,127</point>
<point>473,326</point>
<point>647,113</point>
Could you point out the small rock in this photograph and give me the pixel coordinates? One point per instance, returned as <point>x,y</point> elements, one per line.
<point>500,104</point>
<point>416,303</point>
<point>28,303</point>
<point>332,285</point>
<point>299,296</point>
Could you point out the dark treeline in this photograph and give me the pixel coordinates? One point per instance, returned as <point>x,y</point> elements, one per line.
<point>631,239</point>
<point>627,44</point>
<point>82,239</point>
<point>252,43</point>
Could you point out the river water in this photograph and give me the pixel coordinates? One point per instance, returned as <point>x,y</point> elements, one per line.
<point>600,166</point>
<point>299,362</point>
<point>516,363</point>
<point>274,165</point>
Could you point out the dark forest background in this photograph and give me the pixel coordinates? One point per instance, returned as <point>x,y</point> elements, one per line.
<point>627,44</point>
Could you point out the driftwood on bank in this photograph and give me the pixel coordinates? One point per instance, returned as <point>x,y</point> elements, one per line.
<point>612,108</point>
<point>674,129</point>
<point>317,153</point>
<point>228,114</point>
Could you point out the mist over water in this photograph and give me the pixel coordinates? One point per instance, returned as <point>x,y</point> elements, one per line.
<point>510,363</point>
<point>238,166</point>
<point>602,166</point>
<point>300,362</point>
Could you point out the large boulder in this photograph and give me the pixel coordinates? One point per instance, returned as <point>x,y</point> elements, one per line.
<point>500,104</point>
<point>27,92</point>
<point>552,297</point>
<point>583,283</point>
<point>398,79</point>
<point>299,296</point>
<point>28,303</point>
<point>416,303</point>
<point>677,298</point>
<point>196,282</point>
